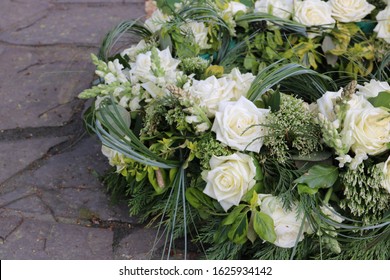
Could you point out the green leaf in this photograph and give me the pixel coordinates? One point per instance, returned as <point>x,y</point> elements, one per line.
<point>263,225</point>
<point>382,100</point>
<point>221,235</point>
<point>239,229</point>
<point>314,156</point>
<point>319,176</point>
<point>303,188</point>
<point>198,199</point>
<point>251,234</point>
<point>231,218</point>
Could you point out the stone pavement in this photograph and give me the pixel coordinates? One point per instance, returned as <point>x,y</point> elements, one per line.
<point>52,206</point>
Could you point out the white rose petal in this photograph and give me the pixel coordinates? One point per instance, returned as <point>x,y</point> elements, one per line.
<point>235,7</point>
<point>313,13</point>
<point>386,174</point>
<point>350,10</point>
<point>156,21</point>
<point>383,27</point>
<point>133,51</point>
<point>279,8</point>
<point>372,89</point>
<point>287,223</point>
<point>229,179</point>
<point>200,33</point>
<point>239,124</point>
<point>326,104</point>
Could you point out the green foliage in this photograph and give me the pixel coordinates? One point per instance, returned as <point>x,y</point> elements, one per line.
<point>382,100</point>
<point>264,226</point>
<point>319,176</point>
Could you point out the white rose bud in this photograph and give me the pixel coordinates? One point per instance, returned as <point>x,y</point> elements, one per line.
<point>287,223</point>
<point>229,179</point>
<point>239,125</point>
<point>350,10</point>
<point>383,27</point>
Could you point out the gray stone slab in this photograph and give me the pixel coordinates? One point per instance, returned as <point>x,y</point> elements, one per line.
<point>39,86</point>
<point>76,242</point>
<point>139,245</point>
<point>107,2</point>
<point>17,14</point>
<point>17,155</point>
<point>73,24</point>
<point>67,185</point>
<point>8,225</point>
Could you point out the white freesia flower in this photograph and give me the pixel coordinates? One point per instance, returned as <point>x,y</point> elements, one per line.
<point>385,166</point>
<point>287,223</point>
<point>230,178</point>
<point>239,124</point>
<point>350,10</point>
<point>383,27</point>
<point>134,50</point>
<point>200,33</point>
<point>242,82</point>
<point>326,104</point>
<point>156,21</point>
<point>313,13</point>
<point>372,89</point>
<point>211,92</point>
<point>279,8</point>
<point>367,129</point>
<point>234,7</point>
<point>115,158</point>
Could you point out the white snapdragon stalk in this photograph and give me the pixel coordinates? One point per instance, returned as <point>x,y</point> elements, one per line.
<point>230,178</point>
<point>156,21</point>
<point>200,33</point>
<point>114,73</point>
<point>326,105</point>
<point>242,82</point>
<point>289,225</point>
<point>350,10</point>
<point>383,27</point>
<point>372,89</point>
<point>279,8</point>
<point>239,124</point>
<point>313,13</point>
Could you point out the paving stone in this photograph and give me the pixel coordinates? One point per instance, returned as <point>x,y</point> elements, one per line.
<point>108,2</point>
<point>8,225</point>
<point>39,86</point>
<point>138,245</point>
<point>74,25</point>
<point>16,14</point>
<point>17,155</point>
<point>76,242</point>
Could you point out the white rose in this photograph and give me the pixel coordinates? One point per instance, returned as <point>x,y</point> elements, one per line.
<point>287,223</point>
<point>156,21</point>
<point>350,10</point>
<point>211,92</point>
<point>279,8</point>
<point>383,26</point>
<point>242,82</point>
<point>234,7</point>
<point>367,129</point>
<point>133,51</point>
<point>313,13</point>
<point>326,104</point>
<point>200,33</point>
<point>372,89</point>
<point>239,124</point>
<point>386,174</point>
<point>229,179</point>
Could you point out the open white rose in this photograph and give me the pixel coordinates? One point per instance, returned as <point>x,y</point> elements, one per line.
<point>234,7</point>
<point>350,10</point>
<point>239,124</point>
<point>156,21</point>
<point>279,8</point>
<point>230,178</point>
<point>386,174</point>
<point>313,13</point>
<point>199,31</point>
<point>211,92</point>
<point>367,129</point>
<point>287,223</point>
<point>242,82</point>
<point>383,27</point>
<point>372,89</point>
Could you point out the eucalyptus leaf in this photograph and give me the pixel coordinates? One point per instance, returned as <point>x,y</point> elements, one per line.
<point>263,225</point>
<point>319,176</point>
